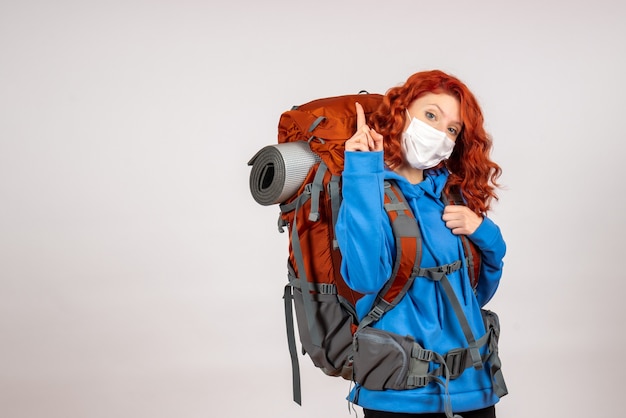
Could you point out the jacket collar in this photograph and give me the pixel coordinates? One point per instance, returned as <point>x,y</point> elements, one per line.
<point>432,185</point>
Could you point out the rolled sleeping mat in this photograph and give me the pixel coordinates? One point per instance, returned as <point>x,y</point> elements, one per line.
<point>279,170</point>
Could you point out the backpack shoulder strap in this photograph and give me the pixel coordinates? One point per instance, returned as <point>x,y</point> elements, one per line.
<point>472,253</point>
<point>408,253</point>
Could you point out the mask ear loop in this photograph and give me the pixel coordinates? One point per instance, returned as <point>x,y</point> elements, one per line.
<point>410,119</point>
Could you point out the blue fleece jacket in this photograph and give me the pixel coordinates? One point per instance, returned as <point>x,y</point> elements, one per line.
<point>367,246</point>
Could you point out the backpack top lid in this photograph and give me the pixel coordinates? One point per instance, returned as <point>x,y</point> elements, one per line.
<point>326,124</point>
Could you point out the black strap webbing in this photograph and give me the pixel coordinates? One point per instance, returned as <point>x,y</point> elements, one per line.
<point>291,342</point>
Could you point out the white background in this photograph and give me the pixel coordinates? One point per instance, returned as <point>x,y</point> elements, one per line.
<point>138,277</point>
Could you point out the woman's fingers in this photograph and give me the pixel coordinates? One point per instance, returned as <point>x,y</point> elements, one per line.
<point>461,220</point>
<point>365,139</point>
<point>360,116</point>
<point>360,141</point>
<point>377,141</point>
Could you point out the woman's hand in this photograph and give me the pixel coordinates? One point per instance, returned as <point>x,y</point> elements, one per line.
<point>461,220</point>
<point>365,139</point>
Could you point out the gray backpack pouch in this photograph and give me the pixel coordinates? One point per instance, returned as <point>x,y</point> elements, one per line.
<point>383,360</point>
<point>334,324</point>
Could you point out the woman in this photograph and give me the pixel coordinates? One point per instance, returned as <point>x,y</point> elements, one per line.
<point>428,137</point>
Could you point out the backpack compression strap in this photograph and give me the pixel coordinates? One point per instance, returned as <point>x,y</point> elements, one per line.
<point>408,253</point>
<point>312,191</point>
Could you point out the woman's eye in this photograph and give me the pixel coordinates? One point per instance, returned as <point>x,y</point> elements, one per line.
<point>430,116</point>
<point>453,131</point>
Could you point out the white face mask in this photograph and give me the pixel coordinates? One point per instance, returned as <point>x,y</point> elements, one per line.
<point>424,146</point>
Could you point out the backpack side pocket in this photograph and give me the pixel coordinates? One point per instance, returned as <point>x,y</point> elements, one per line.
<point>384,360</point>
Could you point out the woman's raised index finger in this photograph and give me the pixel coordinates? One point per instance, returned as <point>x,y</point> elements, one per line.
<point>360,116</point>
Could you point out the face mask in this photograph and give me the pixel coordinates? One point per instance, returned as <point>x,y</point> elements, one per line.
<point>424,146</point>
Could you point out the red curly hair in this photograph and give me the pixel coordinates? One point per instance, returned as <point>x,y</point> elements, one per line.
<point>470,166</point>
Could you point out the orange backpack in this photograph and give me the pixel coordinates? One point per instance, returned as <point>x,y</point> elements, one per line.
<point>311,140</point>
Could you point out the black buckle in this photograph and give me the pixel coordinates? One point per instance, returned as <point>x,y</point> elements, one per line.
<point>327,289</point>
<point>450,268</point>
<point>455,360</point>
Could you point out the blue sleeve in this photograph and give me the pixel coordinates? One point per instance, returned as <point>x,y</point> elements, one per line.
<point>493,248</point>
<point>363,226</point>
